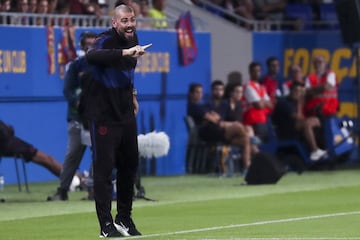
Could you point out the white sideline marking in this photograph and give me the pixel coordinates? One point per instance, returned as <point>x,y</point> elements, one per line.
<point>255,224</point>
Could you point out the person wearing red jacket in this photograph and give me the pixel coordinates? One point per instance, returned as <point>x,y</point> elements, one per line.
<point>258,103</point>
<point>271,79</point>
<point>321,94</point>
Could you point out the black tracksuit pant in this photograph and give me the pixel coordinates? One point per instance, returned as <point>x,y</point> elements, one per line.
<point>114,145</point>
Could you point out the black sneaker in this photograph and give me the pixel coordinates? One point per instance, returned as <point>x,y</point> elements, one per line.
<point>60,195</point>
<point>109,231</point>
<point>126,227</point>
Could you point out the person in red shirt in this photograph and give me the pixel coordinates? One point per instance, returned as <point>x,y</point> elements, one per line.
<point>321,90</point>
<point>271,79</point>
<point>258,103</point>
<point>321,96</point>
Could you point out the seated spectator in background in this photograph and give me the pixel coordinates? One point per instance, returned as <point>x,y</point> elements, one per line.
<point>5,6</point>
<point>296,76</point>
<point>77,7</point>
<point>130,3</point>
<point>271,79</point>
<point>231,109</point>
<point>245,9</point>
<point>258,103</point>
<point>274,10</point>
<point>157,11</point>
<point>42,8</point>
<point>233,78</point>
<point>269,9</point>
<point>235,104</point>
<point>144,13</point>
<point>210,125</point>
<point>22,6</point>
<point>144,8</point>
<point>63,8</point>
<point>10,146</point>
<point>234,112</point>
<point>85,7</point>
<point>104,7</point>
<point>290,122</point>
<point>32,6</point>
<point>216,102</point>
<point>321,90</point>
<point>52,8</point>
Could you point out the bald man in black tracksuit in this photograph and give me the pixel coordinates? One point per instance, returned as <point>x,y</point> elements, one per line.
<point>109,103</point>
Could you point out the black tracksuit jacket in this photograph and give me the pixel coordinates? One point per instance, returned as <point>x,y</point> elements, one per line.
<point>107,90</point>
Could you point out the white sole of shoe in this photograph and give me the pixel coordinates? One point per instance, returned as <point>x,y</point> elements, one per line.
<point>122,229</point>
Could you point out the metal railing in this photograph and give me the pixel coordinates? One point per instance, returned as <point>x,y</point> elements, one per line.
<point>59,20</point>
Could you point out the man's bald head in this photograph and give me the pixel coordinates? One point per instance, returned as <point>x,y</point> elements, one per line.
<point>124,21</point>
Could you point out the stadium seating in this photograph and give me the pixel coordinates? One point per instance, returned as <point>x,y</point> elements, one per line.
<point>338,135</point>
<point>328,14</point>
<point>302,12</point>
<point>290,151</point>
<point>338,142</point>
<point>201,156</point>
<point>195,153</point>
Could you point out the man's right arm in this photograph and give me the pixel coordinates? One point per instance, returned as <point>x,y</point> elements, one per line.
<point>98,55</point>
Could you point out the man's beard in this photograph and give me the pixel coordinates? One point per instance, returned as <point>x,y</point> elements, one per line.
<point>131,40</point>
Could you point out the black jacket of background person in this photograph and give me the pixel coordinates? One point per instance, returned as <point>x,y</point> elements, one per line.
<point>282,118</point>
<point>72,86</point>
<point>107,91</point>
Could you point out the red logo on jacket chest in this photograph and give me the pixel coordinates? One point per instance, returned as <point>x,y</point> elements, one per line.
<point>102,130</point>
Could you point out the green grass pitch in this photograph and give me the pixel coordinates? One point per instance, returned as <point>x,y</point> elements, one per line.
<point>314,205</point>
